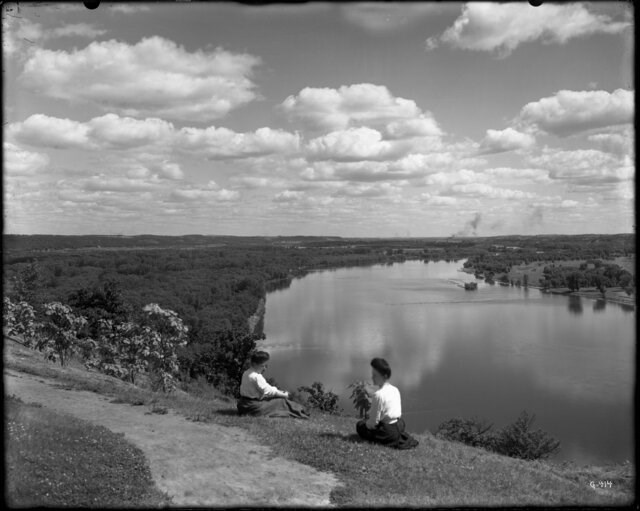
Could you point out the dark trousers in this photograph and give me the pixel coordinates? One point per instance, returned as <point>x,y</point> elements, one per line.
<point>393,435</point>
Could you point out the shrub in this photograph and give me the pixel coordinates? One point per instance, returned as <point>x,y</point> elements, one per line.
<point>360,398</point>
<point>121,350</point>
<point>515,440</point>
<point>468,431</point>
<point>518,441</point>
<point>59,339</point>
<point>19,319</point>
<point>162,334</point>
<point>317,397</point>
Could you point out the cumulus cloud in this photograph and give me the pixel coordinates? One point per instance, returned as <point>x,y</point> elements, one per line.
<point>44,131</point>
<point>351,144</point>
<point>422,126</point>
<point>111,131</point>
<point>568,112</point>
<point>77,30</point>
<point>585,167</point>
<point>387,18</point>
<point>488,191</point>
<point>499,141</point>
<point>289,196</point>
<point>102,183</point>
<point>210,192</point>
<point>154,77</point>
<point>21,34</point>
<point>218,143</point>
<point>368,190</point>
<point>127,8</point>
<point>438,200</point>
<point>502,27</point>
<point>456,177</point>
<point>616,143</point>
<point>18,161</point>
<point>350,105</point>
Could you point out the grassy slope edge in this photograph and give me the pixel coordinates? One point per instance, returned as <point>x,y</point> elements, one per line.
<point>437,473</point>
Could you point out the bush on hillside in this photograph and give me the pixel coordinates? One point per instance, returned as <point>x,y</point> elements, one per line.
<point>360,398</point>
<point>515,440</point>
<point>59,338</point>
<point>320,399</point>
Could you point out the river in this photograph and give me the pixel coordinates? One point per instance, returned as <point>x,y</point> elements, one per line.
<point>489,353</point>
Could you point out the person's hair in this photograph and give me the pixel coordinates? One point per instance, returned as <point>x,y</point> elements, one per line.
<point>382,366</point>
<point>259,357</point>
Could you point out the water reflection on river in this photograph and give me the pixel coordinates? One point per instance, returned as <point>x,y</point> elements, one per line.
<point>488,353</point>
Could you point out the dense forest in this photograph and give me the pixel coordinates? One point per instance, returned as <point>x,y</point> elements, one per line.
<point>216,283</point>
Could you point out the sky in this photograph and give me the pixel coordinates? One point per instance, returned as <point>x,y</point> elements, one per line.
<point>355,119</point>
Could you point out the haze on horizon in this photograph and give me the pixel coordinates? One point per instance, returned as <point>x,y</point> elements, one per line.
<point>353,120</point>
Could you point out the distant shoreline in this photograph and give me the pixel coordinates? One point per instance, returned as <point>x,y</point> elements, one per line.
<point>587,292</point>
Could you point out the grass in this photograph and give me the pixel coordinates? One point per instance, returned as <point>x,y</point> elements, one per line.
<point>437,472</point>
<point>56,460</point>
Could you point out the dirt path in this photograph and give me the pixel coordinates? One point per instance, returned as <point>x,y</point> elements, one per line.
<point>195,463</point>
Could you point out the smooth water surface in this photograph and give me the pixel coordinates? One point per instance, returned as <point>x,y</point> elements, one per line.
<point>489,353</point>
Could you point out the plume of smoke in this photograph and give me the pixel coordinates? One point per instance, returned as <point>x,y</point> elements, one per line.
<point>471,227</point>
<point>537,216</point>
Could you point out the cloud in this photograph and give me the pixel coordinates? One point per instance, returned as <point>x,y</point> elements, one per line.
<point>496,141</point>
<point>510,173</point>
<point>502,27</point>
<point>456,177</point>
<point>217,143</point>
<point>568,112</point>
<point>288,196</point>
<point>113,131</point>
<point>127,8</point>
<point>122,133</point>
<point>437,200</point>
<point>44,131</point>
<point>103,183</point>
<point>368,190</point>
<point>585,167</point>
<point>154,77</point>
<point>616,143</point>
<point>350,105</point>
<point>386,18</point>
<point>77,30</point>
<point>210,192</point>
<point>351,144</point>
<point>485,190</point>
<point>17,161</point>
<point>169,170</point>
<point>21,34</point>
<point>422,126</point>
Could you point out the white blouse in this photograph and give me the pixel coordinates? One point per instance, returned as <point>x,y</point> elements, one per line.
<point>254,385</point>
<point>385,406</point>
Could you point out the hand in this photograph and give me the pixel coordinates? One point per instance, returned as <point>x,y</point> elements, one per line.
<point>286,394</point>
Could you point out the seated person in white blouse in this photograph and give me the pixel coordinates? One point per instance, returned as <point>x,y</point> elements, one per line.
<point>385,424</point>
<point>258,398</point>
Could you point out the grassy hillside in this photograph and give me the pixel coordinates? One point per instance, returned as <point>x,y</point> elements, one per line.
<point>437,473</point>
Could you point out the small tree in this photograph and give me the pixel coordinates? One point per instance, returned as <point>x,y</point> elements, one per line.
<point>19,319</point>
<point>120,350</point>
<point>360,398</point>
<point>163,335</point>
<point>60,330</point>
<point>317,397</point>
<point>517,440</point>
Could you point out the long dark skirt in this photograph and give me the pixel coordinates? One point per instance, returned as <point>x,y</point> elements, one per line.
<point>273,407</point>
<point>392,435</point>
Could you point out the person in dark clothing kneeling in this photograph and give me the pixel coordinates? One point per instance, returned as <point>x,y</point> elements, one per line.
<point>385,424</point>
